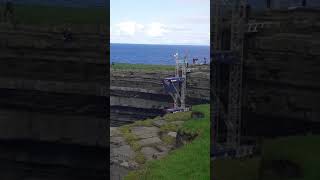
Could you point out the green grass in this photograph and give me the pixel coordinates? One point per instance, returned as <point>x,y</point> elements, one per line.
<point>182,116</point>
<point>168,139</point>
<point>139,158</point>
<point>53,15</point>
<point>147,123</point>
<point>169,127</point>
<point>235,169</point>
<point>190,162</point>
<point>131,140</point>
<point>145,67</point>
<point>129,137</point>
<point>301,150</point>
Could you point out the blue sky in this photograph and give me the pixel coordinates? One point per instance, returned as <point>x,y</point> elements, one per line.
<point>184,22</point>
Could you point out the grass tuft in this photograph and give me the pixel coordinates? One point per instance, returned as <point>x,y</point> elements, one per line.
<point>147,122</point>
<point>139,158</point>
<point>168,139</point>
<point>182,116</point>
<point>301,150</point>
<point>191,161</point>
<point>169,127</point>
<point>129,137</point>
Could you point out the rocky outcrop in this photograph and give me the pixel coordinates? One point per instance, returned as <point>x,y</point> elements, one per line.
<point>39,72</point>
<point>52,103</point>
<point>281,73</point>
<point>131,146</point>
<point>142,92</point>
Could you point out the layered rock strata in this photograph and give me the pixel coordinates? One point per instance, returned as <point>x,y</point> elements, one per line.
<point>281,74</point>
<point>53,103</point>
<point>136,95</point>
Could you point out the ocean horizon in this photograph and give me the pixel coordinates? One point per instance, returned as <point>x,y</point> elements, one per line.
<point>156,53</point>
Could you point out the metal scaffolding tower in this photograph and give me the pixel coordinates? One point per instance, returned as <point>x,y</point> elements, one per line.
<point>231,23</point>
<point>228,38</point>
<point>176,86</point>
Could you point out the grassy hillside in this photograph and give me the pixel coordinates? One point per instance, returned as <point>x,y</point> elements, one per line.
<point>302,151</point>
<point>190,162</point>
<point>234,169</point>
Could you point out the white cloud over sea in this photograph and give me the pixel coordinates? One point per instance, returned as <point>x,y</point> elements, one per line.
<point>132,28</point>
<point>156,33</point>
<point>160,22</point>
<point>128,28</point>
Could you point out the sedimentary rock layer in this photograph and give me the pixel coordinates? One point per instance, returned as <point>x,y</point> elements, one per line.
<point>282,70</point>
<point>142,91</point>
<point>52,103</point>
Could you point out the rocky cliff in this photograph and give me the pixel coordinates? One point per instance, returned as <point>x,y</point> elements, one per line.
<point>137,94</point>
<point>282,73</point>
<point>52,104</point>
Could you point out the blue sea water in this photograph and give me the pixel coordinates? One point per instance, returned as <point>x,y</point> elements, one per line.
<point>156,54</point>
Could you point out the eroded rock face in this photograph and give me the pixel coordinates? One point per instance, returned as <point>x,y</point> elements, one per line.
<point>150,141</point>
<point>122,153</point>
<point>131,148</point>
<point>52,96</point>
<point>149,152</point>
<point>145,132</point>
<point>52,86</point>
<point>159,123</point>
<point>143,92</point>
<point>280,73</point>
<point>117,172</point>
<point>172,134</point>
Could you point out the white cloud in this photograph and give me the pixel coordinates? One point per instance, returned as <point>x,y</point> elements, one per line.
<point>156,29</point>
<point>158,33</point>
<point>128,28</point>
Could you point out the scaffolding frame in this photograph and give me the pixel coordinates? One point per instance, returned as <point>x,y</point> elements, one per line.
<point>231,19</point>
<point>233,14</point>
<point>176,86</point>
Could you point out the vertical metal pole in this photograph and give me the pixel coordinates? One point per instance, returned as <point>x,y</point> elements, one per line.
<point>184,84</point>
<point>216,33</point>
<point>215,103</point>
<point>177,65</point>
<point>176,96</point>
<point>235,76</point>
